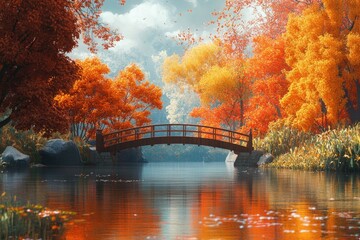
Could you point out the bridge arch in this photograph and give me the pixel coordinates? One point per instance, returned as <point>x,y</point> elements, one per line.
<point>173,134</point>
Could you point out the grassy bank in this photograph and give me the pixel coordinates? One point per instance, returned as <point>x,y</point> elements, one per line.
<point>334,150</point>
<point>30,142</point>
<point>29,221</point>
<point>27,142</point>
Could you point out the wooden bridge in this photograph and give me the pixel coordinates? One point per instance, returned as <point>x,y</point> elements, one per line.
<point>173,134</point>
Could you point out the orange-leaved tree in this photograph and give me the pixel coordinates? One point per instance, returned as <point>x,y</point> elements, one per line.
<point>322,51</point>
<point>34,66</point>
<point>267,69</point>
<point>89,101</point>
<point>134,98</point>
<point>97,102</point>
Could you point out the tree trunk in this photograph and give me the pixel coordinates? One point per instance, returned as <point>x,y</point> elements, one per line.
<point>241,113</point>
<point>354,111</point>
<point>278,111</point>
<point>5,121</point>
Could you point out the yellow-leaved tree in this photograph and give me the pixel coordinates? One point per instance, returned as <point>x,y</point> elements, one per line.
<point>218,80</point>
<point>321,51</point>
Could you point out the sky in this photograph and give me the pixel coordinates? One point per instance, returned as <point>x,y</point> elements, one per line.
<point>149,28</point>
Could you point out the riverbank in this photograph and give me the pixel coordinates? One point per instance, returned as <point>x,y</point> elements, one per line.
<point>333,150</point>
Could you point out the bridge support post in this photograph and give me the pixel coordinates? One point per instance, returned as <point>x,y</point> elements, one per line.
<point>99,141</point>
<point>250,143</point>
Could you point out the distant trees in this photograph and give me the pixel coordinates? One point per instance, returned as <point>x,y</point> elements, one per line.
<point>34,68</point>
<point>97,102</point>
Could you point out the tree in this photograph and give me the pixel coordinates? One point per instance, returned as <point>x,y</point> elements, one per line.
<point>190,68</point>
<point>216,77</point>
<point>33,61</point>
<point>96,102</point>
<point>89,101</point>
<point>267,69</point>
<point>134,98</point>
<point>35,39</point>
<point>321,50</point>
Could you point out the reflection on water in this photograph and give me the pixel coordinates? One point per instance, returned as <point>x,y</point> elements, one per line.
<point>194,201</point>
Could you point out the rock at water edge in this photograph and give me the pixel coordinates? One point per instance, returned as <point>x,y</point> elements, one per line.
<point>231,157</point>
<point>265,159</point>
<point>248,159</point>
<point>59,152</point>
<point>14,158</point>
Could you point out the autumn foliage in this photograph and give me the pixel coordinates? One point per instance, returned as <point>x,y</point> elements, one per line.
<point>217,79</point>
<point>324,83</point>
<point>35,38</point>
<point>302,69</point>
<point>291,62</point>
<point>267,70</point>
<point>33,61</point>
<point>97,102</point>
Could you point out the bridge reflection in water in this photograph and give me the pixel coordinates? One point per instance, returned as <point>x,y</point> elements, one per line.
<point>174,134</point>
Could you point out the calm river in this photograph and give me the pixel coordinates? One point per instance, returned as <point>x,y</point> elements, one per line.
<point>194,201</point>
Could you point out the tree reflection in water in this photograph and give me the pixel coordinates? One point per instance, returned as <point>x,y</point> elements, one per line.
<point>194,201</point>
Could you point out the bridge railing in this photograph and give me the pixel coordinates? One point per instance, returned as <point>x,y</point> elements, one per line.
<point>175,130</point>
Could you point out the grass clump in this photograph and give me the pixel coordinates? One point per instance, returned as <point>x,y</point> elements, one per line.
<point>29,221</point>
<point>334,150</point>
<point>280,140</point>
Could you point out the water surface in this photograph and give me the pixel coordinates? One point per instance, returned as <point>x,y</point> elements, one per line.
<point>194,201</point>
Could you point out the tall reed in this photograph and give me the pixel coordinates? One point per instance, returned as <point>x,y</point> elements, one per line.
<point>334,150</point>
<point>280,140</point>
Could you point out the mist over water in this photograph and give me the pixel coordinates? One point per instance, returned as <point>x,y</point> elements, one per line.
<point>194,200</point>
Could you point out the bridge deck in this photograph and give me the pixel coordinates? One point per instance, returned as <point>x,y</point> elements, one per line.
<point>174,134</point>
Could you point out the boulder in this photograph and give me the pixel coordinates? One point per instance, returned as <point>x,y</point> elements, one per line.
<point>14,158</point>
<point>131,155</point>
<point>248,159</point>
<point>57,152</point>
<point>91,156</point>
<point>265,159</point>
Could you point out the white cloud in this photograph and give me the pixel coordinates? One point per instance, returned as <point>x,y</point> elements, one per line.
<point>172,34</point>
<point>143,16</point>
<point>81,51</point>
<point>159,58</point>
<point>139,26</point>
<point>193,2</point>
